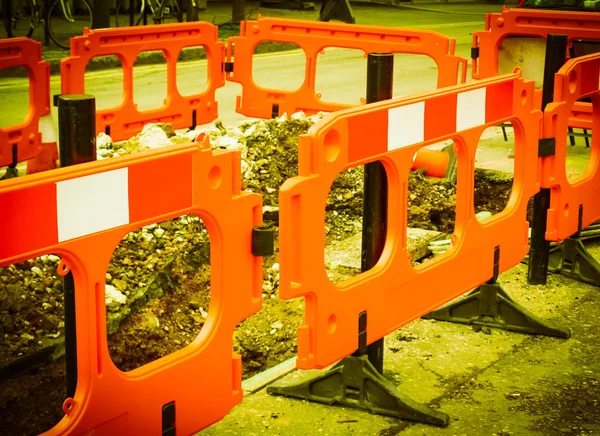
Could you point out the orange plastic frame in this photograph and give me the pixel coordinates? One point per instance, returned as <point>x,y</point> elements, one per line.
<point>26,137</point>
<point>126,120</point>
<point>535,23</point>
<point>394,293</point>
<point>124,194</point>
<point>313,37</point>
<point>577,79</point>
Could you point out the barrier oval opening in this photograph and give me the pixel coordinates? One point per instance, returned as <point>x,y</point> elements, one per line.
<point>495,161</point>
<point>431,202</point>
<point>105,85</point>
<point>265,67</point>
<point>343,225</point>
<point>157,291</point>
<point>525,52</point>
<point>32,344</point>
<point>192,71</point>
<point>150,70</point>
<point>327,81</point>
<point>582,143</point>
<point>15,96</point>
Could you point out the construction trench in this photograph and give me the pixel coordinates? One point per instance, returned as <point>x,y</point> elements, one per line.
<point>489,381</point>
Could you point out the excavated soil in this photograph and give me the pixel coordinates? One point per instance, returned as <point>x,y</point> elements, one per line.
<point>160,275</point>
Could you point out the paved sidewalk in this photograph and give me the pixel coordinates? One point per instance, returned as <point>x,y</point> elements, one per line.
<point>498,383</point>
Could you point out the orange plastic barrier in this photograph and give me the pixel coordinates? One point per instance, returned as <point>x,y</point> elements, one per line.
<point>82,213</point>
<point>126,120</point>
<point>527,22</point>
<point>534,23</point>
<point>577,79</point>
<point>394,293</point>
<point>23,142</point>
<point>313,37</point>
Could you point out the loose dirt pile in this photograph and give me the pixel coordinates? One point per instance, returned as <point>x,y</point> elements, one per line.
<point>158,282</point>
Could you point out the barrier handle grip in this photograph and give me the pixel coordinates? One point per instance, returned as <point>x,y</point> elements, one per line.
<point>77,144</point>
<point>380,82</point>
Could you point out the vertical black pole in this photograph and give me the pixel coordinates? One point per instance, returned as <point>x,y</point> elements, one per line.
<point>132,5</point>
<point>6,16</point>
<point>100,15</point>
<point>380,81</point>
<point>191,11</point>
<point>77,144</point>
<point>539,249</point>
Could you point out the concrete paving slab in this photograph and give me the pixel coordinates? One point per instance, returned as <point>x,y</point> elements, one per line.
<point>490,384</point>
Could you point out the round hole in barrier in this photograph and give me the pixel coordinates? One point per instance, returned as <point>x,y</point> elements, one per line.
<point>331,324</point>
<point>523,97</point>
<point>63,268</point>
<point>332,145</point>
<point>214,177</point>
<point>566,210</point>
<point>68,406</point>
<point>573,82</point>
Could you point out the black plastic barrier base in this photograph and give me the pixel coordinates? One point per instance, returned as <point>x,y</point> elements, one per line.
<point>490,306</point>
<point>337,10</point>
<point>355,382</point>
<point>571,259</point>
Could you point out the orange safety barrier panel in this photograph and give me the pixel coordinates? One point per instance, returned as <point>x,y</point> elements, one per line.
<point>313,37</point>
<point>24,141</point>
<point>534,23</point>
<point>527,22</point>
<point>395,293</point>
<point>126,120</point>
<point>577,79</point>
<point>82,213</point>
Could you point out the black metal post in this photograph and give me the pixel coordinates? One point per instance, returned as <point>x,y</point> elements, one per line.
<point>132,5</point>
<point>539,249</point>
<point>77,144</point>
<point>191,10</point>
<point>380,81</point>
<point>100,15</point>
<point>6,16</point>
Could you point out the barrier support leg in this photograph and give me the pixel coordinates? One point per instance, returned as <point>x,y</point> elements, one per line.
<point>571,259</point>
<point>489,306</point>
<point>357,380</point>
<point>337,10</point>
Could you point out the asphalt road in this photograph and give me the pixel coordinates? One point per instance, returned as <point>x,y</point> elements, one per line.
<point>341,76</point>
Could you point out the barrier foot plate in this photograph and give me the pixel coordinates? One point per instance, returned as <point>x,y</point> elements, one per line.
<point>355,382</point>
<point>571,259</point>
<point>490,306</point>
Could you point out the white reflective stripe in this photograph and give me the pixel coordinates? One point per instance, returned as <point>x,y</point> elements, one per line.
<point>92,204</point>
<point>470,109</point>
<point>406,125</point>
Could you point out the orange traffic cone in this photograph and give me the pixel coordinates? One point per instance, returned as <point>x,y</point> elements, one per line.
<point>436,163</point>
<point>46,160</point>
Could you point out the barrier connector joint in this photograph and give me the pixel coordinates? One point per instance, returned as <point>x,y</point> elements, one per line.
<point>546,147</point>
<point>263,241</point>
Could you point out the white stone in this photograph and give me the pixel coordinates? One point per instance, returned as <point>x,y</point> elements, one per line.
<point>103,141</point>
<point>113,296</point>
<point>153,136</point>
